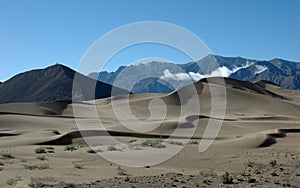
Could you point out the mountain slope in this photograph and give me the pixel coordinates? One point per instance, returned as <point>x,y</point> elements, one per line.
<point>52,84</point>
<point>152,85</point>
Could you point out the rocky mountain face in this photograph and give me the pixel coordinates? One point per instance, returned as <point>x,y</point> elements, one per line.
<point>170,77</point>
<point>53,84</point>
<point>152,85</point>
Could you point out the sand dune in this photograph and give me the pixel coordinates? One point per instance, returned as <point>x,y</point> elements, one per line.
<point>258,116</point>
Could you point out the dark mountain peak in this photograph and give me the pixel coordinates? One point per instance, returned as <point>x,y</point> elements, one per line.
<point>60,69</point>
<point>54,83</point>
<point>58,66</point>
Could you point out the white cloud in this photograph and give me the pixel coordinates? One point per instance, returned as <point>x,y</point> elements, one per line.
<point>219,72</point>
<point>196,76</point>
<point>176,76</point>
<point>260,69</point>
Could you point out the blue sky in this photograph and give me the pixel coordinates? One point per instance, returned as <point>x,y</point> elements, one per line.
<point>39,33</point>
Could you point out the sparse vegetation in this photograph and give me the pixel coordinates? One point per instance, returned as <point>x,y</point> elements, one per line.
<point>55,132</point>
<point>36,166</point>
<point>1,166</point>
<point>121,171</point>
<point>41,158</point>
<point>193,142</point>
<point>153,143</point>
<point>227,178</point>
<point>91,151</point>
<point>78,166</point>
<point>131,141</point>
<point>175,143</point>
<point>35,183</point>
<point>112,148</point>
<point>42,150</point>
<point>7,156</point>
<point>209,173</point>
<point>14,181</point>
<point>273,163</point>
<point>67,185</point>
<point>70,148</point>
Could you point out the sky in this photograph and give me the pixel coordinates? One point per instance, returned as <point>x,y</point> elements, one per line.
<point>39,33</point>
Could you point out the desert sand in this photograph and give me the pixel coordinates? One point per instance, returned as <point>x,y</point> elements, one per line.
<point>257,145</point>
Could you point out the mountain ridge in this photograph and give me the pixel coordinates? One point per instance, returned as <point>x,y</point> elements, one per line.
<point>282,72</point>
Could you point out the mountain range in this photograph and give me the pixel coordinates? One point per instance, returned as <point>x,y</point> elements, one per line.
<point>161,77</point>
<point>56,83</point>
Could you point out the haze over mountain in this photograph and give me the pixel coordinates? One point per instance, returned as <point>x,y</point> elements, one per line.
<point>53,83</point>
<point>284,73</point>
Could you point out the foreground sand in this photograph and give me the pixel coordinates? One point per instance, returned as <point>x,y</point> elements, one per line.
<point>259,128</point>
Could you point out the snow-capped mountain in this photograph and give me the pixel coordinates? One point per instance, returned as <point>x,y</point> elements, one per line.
<point>171,76</point>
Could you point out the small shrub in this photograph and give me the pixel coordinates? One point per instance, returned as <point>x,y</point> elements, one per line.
<point>1,166</point>
<point>56,132</point>
<point>68,185</point>
<point>29,167</point>
<point>35,183</point>
<point>121,171</point>
<point>36,167</point>
<point>209,173</point>
<point>153,143</point>
<point>51,151</point>
<point>78,166</point>
<point>175,143</point>
<point>273,163</point>
<point>42,166</point>
<point>40,150</point>
<point>7,156</point>
<point>91,151</point>
<point>70,148</point>
<point>251,164</point>
<point>160,145</point>
<point>41,158</point>
<point>193,142</point>
<point>14,181</point>
<point>112,148</point>
<point>131,141</point>
<point>227,178</point>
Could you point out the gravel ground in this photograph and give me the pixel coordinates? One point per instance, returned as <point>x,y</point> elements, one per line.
<point>254,175</point>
